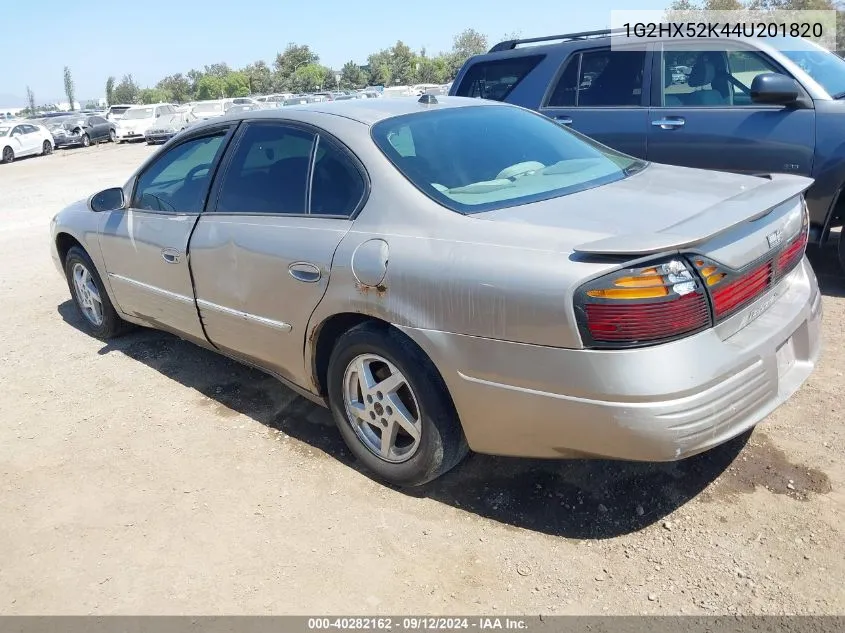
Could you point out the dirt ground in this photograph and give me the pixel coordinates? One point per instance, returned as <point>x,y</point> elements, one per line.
<point>147,476</point>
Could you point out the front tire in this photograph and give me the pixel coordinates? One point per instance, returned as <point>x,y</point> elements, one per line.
<point>46,148</point>
<point>92,301</point>
<point>86,140</point>
<point>8,155</point>
<point>392,406</point>
<point>841,249</point>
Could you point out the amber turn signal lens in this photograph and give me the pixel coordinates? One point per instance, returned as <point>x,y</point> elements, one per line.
<point>630,293</point>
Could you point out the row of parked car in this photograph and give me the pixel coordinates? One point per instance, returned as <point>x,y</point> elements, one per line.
<point>157,123</point>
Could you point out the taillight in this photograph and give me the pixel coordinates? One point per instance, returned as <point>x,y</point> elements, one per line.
<point>733,290</point>
<point>640,306</point>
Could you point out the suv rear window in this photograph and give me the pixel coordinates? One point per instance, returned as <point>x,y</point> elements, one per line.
<point>496,79</point>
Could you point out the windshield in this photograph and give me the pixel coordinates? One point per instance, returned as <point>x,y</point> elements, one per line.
<point>479,158</point>
<point>826,68</point>
<point>138,113</point>
<point>4,131</point>
<point>208,108</point>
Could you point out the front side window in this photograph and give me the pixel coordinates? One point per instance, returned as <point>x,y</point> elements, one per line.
<point>268,172</point>
<point>826,68</point>
<point>475,159</point>
<point>602,78</point>
<point>178,181</point>
<point>710,78</point>
<point>496,79</point>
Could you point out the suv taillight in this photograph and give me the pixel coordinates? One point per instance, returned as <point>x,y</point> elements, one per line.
<point>646,305</point>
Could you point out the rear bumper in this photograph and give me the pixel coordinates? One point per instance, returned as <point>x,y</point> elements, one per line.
<point>661,403</point>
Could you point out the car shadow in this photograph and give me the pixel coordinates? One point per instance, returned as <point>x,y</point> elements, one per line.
<point>589,499</point>
<point>828,270</point>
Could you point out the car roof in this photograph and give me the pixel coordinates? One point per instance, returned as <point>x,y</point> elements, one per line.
<point>366,111</point>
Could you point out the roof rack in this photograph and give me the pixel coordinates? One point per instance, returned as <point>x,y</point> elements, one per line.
<point>508,45</point>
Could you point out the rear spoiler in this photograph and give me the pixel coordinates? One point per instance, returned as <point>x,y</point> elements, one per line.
<point>707,224</point>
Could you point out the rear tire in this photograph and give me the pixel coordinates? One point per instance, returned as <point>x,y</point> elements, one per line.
<point>46,148</point>
<point>112,136</point>
<point>88,291</point>
<point>422,397</point>
<point>841,250</point>
<point>8,155</point>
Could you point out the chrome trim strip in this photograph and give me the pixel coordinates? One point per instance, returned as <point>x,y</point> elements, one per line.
<point>154,289</point>
<point>279,325</point>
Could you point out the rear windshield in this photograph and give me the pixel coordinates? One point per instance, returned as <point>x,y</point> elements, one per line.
<point>496,79</point>
<point>118,110</point>
<point>138,113</point>
<point>208,108</point>
<point>480,158</point>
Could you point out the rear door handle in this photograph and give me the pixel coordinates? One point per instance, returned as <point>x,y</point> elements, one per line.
<point>668,124</point>
<point>170,255</point>
<point>564,120</point>
<point>305,271</point>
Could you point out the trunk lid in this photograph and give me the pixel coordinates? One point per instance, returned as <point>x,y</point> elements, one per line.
<point>733,218</point>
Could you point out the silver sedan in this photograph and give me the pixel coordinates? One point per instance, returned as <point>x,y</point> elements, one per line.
<point>450,274</point>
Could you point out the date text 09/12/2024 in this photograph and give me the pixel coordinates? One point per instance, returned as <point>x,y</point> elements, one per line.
<point>417,624</point>
<point>700,30</point>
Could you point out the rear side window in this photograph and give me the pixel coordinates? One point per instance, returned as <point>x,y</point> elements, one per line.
<point>268,172</point>
<point>600,78</point>
<point>496,79</point>
<point>336,186</point>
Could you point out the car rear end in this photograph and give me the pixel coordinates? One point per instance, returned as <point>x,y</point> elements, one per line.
<point>682,349</point>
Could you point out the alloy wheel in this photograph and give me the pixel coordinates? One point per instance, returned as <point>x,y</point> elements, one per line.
<point>87,295</point>
<point>381,408</point>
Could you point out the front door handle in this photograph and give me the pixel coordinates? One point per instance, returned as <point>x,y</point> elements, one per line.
<point>305,271</point>
<point>564,120</point>
<point>668,124</point>
<point>170,255</point>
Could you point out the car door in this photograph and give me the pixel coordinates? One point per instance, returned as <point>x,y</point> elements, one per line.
<point>30,140</point>
<point>261,256</point>
<point>603,93</point>
<point>99,128</point>
<point>145,245</point>
<point>708,119</point>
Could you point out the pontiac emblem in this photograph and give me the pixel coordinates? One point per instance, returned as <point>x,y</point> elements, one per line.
<point>774,239</point>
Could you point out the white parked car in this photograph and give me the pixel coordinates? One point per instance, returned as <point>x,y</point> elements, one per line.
<point>138,120</point>
<point>208,109</point>
<point>115,112</point>
<point>23,139</point>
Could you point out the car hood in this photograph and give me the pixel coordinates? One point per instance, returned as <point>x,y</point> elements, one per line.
<point>137,123</point>
<point>663,207</point>
<point>169,120</point>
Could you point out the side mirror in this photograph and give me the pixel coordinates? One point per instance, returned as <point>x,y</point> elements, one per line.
<point>108,200</point>
<point>774,89</point>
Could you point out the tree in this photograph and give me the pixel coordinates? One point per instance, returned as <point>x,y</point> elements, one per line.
<point>153,95</point>
<point>465,44</point>
<point>30,99</point>
<point>260,77</point>
<point>402,64</point>
<point>110,90</point>
<point>209,87</point>
<point>351,76</point>
<point>236,84</point>
<point>194,77</point>
<point>126,91</point>
<point>220,69</point>
<point>379,64</point>
<point>177,86</point>
<point>294,57</point>
<point>311,77</point>
<point>69,88</point>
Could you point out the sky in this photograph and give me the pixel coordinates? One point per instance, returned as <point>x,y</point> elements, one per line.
<point>170,36</point>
